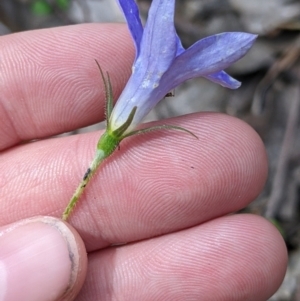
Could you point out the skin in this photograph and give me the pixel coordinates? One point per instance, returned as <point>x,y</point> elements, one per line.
<point>167,195</point>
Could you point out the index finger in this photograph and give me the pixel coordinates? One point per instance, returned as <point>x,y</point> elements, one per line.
<point>50,83</point>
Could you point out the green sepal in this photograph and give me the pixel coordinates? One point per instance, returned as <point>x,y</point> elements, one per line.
<point>109,100</point>
<point>121,130</point>
<point>110,140</point>
<point>160,127</point>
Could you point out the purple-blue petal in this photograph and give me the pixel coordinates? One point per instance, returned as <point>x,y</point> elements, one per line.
<point>131,13</point>
<point>223,79</point>
<point>209,56</point>
<point>159,44</point>
<point>180,48</point>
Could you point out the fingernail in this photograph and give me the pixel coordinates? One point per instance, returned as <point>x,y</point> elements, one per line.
<point>38,260</point>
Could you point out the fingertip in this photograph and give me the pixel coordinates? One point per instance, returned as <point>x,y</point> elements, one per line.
<point>228,160</point>
<point>80,262</point>
<point>263,251</point>
<point>276,249</point>
<point>234,257</point>
<point>235,149</point>
<point>41,258</point>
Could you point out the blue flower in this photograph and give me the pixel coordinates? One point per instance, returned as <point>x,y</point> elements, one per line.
<point>161,63</point>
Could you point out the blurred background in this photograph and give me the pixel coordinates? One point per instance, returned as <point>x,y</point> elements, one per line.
<point>269,99</point>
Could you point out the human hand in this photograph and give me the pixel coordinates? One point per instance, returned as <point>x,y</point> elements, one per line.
<point>166,194</point>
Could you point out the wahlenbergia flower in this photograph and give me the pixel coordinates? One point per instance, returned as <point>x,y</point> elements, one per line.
<point>161,63</point>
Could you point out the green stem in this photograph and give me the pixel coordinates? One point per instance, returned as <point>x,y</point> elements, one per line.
<point>106,146</point>
<point>99,157</point>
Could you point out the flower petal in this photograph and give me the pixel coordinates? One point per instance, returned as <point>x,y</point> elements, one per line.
<point>159,42</point>
<point>131,13</point>
<point>158,50</point>
<point>209,56</point>
<point>180,48</point>
<point>223,79</point>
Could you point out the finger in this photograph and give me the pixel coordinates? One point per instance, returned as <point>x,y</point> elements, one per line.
<point>157,183</point>
<point>50,82</point>
<point>41,259</point>
<point>231,258</point>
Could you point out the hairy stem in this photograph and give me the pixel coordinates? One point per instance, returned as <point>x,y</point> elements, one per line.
<point>99,157</point>
<point>107,144</point>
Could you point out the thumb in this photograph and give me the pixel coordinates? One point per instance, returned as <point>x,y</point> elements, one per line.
<point>41,259</point>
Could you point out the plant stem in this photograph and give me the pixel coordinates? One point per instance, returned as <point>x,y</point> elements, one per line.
<point>99,157</point>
